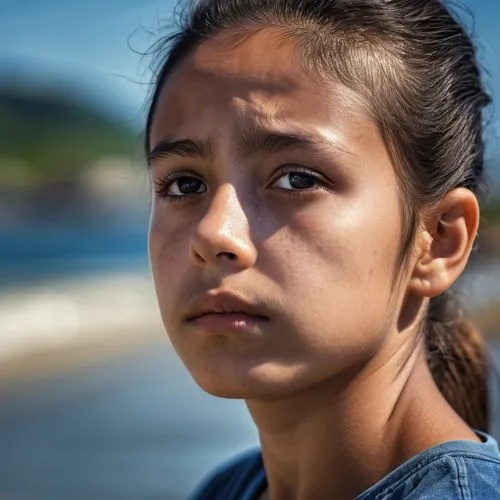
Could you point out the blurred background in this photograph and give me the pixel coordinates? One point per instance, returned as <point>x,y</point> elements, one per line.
<point>93,402</point>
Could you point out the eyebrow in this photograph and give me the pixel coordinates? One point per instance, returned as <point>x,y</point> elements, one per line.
<point>187,148</point>
<point>263,141</point>
<point>251,141</point>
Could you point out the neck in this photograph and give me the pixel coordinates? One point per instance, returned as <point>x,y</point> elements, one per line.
<point>343,435</point>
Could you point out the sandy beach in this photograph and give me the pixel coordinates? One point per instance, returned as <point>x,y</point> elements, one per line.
<point>69,323</point>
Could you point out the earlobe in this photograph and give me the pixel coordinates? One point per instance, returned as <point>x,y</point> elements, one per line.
<point>445,243</point>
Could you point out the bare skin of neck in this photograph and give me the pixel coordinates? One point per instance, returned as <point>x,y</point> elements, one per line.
<point>337,439</point>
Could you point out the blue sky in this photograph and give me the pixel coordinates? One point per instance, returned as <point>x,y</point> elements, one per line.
<point>84,45</point>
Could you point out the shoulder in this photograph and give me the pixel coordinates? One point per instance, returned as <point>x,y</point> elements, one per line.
<point>458,476</point>
<point>240,477</point>
<point>455,470</point>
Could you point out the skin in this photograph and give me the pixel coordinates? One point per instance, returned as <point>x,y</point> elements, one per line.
<point>335,378</point>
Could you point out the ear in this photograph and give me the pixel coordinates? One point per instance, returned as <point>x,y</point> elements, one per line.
<point>444,243</point>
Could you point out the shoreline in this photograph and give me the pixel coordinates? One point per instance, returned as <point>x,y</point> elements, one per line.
<point>74,322</point>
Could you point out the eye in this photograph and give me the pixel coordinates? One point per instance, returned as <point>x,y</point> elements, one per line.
<point>296,178</point>
<point>179,185</point>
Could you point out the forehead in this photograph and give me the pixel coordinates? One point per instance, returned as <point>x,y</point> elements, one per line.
<point>259,77</point>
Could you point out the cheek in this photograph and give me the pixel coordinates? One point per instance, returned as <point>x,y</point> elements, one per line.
<point>163,240</point>
<point>339,278</point>
<point>356,243</point>
<point>168,245</point>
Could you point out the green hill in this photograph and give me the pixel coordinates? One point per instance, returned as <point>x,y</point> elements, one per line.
<point>53,135</point>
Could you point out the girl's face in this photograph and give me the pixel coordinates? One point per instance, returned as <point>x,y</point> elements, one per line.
<point>275,187</point>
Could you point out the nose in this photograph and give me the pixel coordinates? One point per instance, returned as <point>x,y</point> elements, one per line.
<point>222,237</point>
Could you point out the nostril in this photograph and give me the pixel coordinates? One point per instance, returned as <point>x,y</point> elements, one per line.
<point>227,255</point>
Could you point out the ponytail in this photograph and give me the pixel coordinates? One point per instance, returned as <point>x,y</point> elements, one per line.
<point>458,360</point>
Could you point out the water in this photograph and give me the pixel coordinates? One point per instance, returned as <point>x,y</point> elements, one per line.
<point>31,254</point>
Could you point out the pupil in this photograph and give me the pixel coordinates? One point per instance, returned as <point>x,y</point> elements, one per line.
<point>189,185</point>
<point>302,181</point>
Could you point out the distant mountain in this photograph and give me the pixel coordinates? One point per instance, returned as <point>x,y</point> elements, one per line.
<point>55,134</point>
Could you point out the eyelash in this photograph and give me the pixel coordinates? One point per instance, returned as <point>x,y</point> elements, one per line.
<point>163,184</point>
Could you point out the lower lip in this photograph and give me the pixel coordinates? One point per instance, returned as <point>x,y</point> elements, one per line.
<point>230,322</point>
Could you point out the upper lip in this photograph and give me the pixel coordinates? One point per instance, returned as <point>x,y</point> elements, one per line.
<point>221,303</point>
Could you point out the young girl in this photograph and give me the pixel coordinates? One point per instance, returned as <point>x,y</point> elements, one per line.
<point>316,166</point>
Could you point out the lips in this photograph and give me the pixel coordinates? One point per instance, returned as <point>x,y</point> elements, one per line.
<point>231,306</point>
<point>226,313</point>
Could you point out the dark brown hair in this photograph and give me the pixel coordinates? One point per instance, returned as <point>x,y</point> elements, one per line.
<point>414,67</point>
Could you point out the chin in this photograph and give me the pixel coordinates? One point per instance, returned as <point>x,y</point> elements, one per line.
<point>221,389</point>
<point>249,380</point>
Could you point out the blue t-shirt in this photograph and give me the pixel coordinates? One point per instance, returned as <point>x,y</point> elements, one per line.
<point>458,470</point>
